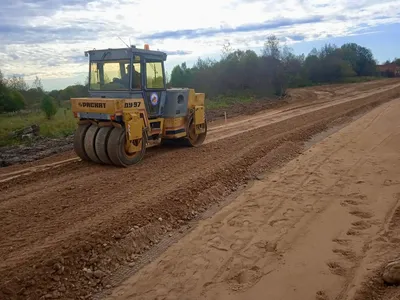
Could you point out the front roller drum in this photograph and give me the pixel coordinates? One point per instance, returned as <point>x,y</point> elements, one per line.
<point>118,152</point>
<point>79,140</point>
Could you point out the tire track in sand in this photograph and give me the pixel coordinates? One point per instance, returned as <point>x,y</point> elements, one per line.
<point>287,236</point>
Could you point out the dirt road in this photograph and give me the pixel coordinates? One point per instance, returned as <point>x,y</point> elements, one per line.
<point>297,99</point>
<point>303,232</point>
<point>69,229</point>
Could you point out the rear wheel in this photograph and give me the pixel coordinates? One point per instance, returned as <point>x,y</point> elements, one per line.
<point>90,138</point>
<point>79,139</point>
<point>100,144</point>
<point>119,153</point>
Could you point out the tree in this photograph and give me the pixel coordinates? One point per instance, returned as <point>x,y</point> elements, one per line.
<point>226,50</point>
<point>87,80</point>
<point>18,100</point>
<point>17,83</point>
<point>360,58</point>
<point>10,100</point>
<point>48,106</point>
<point>396,61</point>
<point>180,76</point>
<point>4,97</point>
<point>243,72</point>
<point>37,84</point>
<point>272,47</point>
<point>32,97</point>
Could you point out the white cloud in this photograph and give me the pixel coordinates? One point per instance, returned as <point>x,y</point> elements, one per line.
<point>48,38</point>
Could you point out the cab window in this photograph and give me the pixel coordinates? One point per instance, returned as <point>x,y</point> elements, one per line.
<point>154,75</point>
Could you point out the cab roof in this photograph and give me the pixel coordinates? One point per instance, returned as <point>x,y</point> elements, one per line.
<point>124,53</point>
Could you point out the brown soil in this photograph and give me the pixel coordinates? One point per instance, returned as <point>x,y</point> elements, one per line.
<point>298,209</point>
<point>68,228</point>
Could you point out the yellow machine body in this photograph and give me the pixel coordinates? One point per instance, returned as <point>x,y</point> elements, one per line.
<point>130,116</point>
<point>130,109</point>
<point>134,116</point>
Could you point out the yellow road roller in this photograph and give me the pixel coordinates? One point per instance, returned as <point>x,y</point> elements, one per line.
<point>130,109</point>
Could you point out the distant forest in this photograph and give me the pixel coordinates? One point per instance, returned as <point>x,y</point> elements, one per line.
<point>237,73</point>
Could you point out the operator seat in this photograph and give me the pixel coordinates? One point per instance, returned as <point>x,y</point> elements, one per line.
<point>136,80</point>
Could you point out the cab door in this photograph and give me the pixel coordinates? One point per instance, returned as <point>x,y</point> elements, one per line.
<point>154,87</point>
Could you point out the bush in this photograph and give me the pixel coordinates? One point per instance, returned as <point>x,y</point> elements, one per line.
<point>48,106</point>
<point>18,100</point>
<point>10,100</point>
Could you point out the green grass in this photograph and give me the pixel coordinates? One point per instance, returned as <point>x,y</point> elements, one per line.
<point>61,125</point>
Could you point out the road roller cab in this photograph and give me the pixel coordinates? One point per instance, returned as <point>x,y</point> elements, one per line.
<point>129,108</point>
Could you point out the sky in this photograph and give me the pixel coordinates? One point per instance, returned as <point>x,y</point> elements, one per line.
<point>47,38</point>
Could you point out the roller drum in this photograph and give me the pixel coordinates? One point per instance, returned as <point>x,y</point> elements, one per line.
<point>89,143</point>
<point>79,139</point>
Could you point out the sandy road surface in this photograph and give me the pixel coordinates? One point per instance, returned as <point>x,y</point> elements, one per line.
<point>67,229</point>
<point>300,233</point>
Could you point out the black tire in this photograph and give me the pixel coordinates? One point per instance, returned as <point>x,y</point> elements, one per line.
<point>90,138</point>
<point>79,138</point>
<point>100,144</point>
<point>116,149</point>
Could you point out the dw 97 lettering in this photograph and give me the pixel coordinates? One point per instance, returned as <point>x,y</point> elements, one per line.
<point>132,104</point>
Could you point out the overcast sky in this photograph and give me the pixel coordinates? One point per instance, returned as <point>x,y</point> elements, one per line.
<point>48,37</point>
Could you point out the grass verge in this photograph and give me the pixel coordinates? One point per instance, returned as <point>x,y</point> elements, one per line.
<point>226,101</point>
<point>61,125</point>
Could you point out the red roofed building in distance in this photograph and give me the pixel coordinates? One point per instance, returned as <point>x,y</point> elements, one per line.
<point>391,70</point>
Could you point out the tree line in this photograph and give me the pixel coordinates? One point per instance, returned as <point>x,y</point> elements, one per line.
<point>395,61</point>
<point>275,69</point>
<point>238,72</point>
<point>16,95</point>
